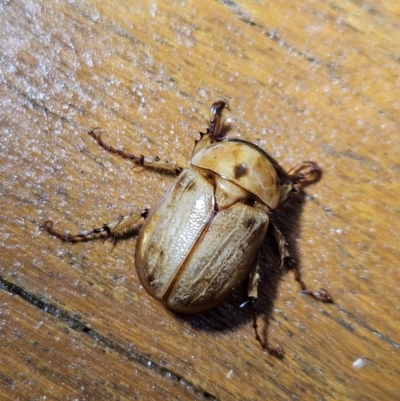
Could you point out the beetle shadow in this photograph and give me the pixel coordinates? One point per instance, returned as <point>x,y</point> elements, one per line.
<point>230,314</point>
<point>287,220</point>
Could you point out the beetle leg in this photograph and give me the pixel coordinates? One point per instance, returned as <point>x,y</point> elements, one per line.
<point>252,293</point>
<point>287,260</point>
<point>254,278</point>
<point>274,351</point>
<point>149,162</point>
<point>107,230</point>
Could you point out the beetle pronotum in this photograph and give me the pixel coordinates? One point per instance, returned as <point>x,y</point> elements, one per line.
<point>202,240</point>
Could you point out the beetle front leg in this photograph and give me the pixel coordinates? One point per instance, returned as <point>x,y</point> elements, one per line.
<point>287,260</point>
<point>149,162</point>
<point>108,229</point>
<point>252,293</point>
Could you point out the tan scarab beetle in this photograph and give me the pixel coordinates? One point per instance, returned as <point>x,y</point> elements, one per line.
<point>202,240</point>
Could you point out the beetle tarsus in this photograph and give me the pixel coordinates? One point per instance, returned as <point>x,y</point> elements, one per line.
<point>252,302</point>
<point>150,162</point>
<point>321,295</point>
<point>276,351</point>
<point>48,227</point>
<point>138,160</point>
<point>108,230</point>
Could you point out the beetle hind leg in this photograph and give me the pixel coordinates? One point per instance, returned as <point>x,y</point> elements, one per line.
<point>107,230</point>
<point>144,161</point>
<point>276,351</point>
<point>252,295</point>
<point>321,295</point>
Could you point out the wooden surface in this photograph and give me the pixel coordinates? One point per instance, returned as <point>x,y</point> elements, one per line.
<point>306,80</point>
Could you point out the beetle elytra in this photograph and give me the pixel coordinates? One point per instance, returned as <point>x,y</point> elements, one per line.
<point>201,242</point>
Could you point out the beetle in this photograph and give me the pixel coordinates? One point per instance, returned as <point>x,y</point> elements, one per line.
<point>201,241</point>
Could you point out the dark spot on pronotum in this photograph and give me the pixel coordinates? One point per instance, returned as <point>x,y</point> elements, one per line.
<point>240,170</point>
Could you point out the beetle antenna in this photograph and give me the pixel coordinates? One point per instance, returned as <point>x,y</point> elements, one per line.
<point>305,173</point>
<point>216,124</point>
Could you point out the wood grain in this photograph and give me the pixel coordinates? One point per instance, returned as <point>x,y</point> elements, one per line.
<point>310,80</point>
